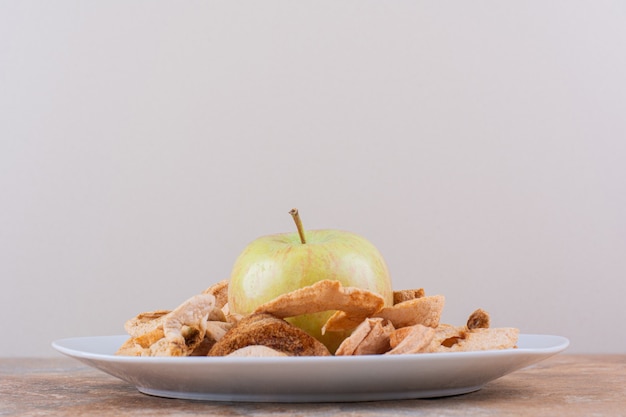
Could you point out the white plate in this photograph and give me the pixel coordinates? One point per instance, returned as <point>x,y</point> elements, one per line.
<point>310,379</point>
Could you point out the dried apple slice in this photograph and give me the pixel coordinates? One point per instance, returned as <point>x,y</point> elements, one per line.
<point>353,304</point>
<point>460,339</point>
<point>424,310</point>
<point>406,295</point>
<point>266,330</point>
<point>413,339</point>
<point>256,351</point>
<point>370,338</point>
<point>184,328</point>
<point>220,292</point>
<point>146,322</point>
<point>479,319</point>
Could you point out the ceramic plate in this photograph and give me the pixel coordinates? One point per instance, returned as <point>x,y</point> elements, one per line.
<point>310,379</point>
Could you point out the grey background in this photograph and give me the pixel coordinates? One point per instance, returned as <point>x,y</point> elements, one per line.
<point>479,145</point>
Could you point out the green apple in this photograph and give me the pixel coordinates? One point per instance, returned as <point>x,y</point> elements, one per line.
<point>277,264</point>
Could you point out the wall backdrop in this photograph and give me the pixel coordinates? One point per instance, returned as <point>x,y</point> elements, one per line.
<point>481,146</point>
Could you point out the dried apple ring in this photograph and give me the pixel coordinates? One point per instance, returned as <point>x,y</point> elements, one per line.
<point>353,304</point>
<point>424,310</point>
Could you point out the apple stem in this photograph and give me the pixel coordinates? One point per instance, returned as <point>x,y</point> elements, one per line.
<point>296,218</point>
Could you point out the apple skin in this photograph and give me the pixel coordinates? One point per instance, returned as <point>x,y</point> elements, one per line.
<point>277,264</point>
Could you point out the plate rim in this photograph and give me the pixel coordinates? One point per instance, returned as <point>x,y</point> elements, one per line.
<point>59,345</point>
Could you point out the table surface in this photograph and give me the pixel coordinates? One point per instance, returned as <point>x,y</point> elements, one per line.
<point>572,385</point>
